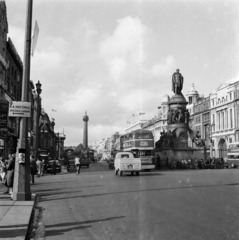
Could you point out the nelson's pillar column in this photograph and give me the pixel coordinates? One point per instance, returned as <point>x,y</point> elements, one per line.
<point>85,133</point>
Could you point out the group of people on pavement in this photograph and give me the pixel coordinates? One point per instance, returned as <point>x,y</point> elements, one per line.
<point>7,167</point>
<point>39,167</point>
<point>191,163</point>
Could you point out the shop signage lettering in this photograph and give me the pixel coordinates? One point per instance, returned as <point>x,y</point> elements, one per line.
<point>19,109</point>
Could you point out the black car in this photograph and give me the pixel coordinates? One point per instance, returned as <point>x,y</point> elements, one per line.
<point>49,166</point>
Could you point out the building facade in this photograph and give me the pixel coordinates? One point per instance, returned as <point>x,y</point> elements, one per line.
<point>223,120</point>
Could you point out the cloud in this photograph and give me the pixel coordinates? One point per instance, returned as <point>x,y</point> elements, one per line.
<point>162,68</point>
<point>122,51</point>
<point>106,76</point>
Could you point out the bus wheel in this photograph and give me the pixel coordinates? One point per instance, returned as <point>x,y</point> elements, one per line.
<point>121,173</point>
<point>132,173</point>
<point>137,173</point>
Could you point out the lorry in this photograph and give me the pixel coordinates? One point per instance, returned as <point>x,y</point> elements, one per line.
<point>85,157</point>
<point>126,162</point>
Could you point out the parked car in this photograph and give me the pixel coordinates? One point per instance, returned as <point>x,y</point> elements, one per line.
<point>49,166</point>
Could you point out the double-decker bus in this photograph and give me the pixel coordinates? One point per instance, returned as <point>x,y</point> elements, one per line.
<point>233,154</point>
<point>141,143</point>
<point>69,153</point>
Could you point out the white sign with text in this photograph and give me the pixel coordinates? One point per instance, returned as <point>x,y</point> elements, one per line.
<point>19,109</point>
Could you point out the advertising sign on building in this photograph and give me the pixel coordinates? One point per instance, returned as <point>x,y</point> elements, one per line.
<point>19,109</point>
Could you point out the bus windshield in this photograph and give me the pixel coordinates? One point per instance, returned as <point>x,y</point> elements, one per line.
<point>233,154</point>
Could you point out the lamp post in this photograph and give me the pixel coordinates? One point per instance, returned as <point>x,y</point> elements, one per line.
<point>39,90</point>
<point>21,185</point>
<point>211,142</point>
<point>53,139</point>
<point>58,134</point>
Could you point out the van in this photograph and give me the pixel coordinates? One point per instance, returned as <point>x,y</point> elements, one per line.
<point>126,162</point>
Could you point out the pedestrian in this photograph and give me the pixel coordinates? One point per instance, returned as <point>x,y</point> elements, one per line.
<point>158,163</point>
<point>43,167</point>
<point>33,168</point>
<point>77,164</point>
<point>39,167</point>
<point>222,162</point>
<point>10,172</point>
<point>53,169</point>
<point>3,172</point>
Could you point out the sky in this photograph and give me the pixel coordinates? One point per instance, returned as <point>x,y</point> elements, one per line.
<point>116,58</point>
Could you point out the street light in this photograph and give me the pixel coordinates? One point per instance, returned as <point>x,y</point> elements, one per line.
<point>39,90</point>
<point>211,142</point>
<point>58,134</point>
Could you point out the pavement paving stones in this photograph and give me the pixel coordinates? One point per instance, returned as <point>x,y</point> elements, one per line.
<point>15,217</point>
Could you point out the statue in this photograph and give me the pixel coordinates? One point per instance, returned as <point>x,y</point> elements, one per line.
<point>175,116</point>
<point>181,118</point>
<point>177,82</point>
<point>169,119</point>
<point>198,140</point>
<point>187,116</point>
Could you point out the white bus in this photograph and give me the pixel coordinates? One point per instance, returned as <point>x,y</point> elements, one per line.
<point>233,154</point>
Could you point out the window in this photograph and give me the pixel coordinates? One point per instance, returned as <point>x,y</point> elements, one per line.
<point>223,120</point>
<point>219,122</point>
<point>198,129</point>
<point>226,119</point>
<point>230,96</point>
<point>213,121</point>
<point>231,123</point>
<point>212,102</point>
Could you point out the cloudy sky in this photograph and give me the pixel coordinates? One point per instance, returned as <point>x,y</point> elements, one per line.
<point>114,58</point>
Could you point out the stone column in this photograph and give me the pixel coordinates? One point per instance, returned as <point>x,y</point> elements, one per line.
<point>85,131</point>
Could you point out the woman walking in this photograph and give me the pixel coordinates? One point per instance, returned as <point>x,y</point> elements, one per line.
<point>10,172</point>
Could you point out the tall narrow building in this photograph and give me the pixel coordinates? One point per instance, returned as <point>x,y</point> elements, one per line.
<point>85,133</point>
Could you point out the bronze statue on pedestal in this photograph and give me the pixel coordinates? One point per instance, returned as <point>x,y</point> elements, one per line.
<point>177,82</point>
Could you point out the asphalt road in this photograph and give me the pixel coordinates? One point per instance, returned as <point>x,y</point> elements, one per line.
<point>167,205</point>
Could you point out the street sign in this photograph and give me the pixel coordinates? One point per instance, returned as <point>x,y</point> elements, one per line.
<point>19,109</point>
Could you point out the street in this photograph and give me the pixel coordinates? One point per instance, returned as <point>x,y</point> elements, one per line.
<point>179,204</point>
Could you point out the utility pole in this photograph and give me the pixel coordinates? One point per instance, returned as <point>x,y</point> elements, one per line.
<point>21,186</point>
<point>39,90</point>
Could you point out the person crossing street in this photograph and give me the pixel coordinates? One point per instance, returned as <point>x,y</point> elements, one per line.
<point>77,164</point>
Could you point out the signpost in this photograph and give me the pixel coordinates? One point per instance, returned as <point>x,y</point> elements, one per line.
<point>19,109</point>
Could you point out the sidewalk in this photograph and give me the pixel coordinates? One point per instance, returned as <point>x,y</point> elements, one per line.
<point>15,217</point>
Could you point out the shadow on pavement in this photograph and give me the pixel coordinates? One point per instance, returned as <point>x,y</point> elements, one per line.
<point>135,191</point>
<point>58,232</point>
<point>13,233</point>
<point>78,226</point>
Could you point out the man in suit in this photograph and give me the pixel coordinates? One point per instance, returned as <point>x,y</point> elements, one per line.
<point>33,168</point>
